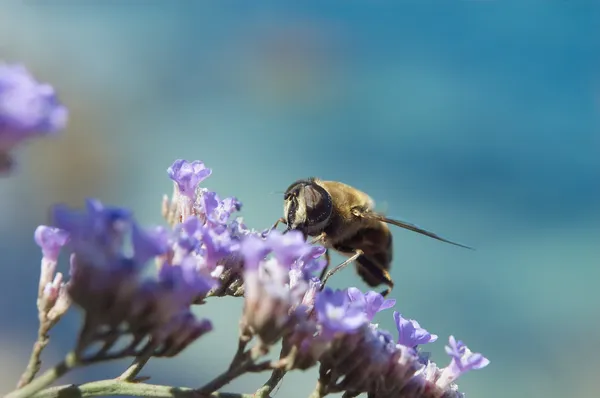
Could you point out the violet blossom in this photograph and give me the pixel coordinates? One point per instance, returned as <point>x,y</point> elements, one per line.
<point>28,109</point>
<point>108,283</point>
<point>373,301</point>
<point>462,361</point>
<point>410,333</point>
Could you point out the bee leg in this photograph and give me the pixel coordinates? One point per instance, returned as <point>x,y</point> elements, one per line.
<point>327,262</point>
<point>281,220</point>
<point>329,274</point>
<point>374,274</point>
<point>318,239</point>
<point>388,281</point>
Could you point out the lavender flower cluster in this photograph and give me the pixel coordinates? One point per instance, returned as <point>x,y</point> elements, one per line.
<point>28,109</point>
<point>204,253</point>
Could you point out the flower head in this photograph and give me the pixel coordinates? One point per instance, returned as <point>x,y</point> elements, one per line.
<point>51,240</point>
<point>410,333</point>
<point>185,279</point>
<point>373,301</point>
<point>238,229</point>
<point>216,245</point>
<point>108,283</point>
<point>188,235</point>
<point>462,361</point>
<point>97,238</point>
<point>203,230</point>
<point>273,291</point>
<point>148,243</point>
<point>336,313</point>
<point>254,250</point>
<point>53,300</point>
<point>290,247</point>
<point>27,107</point>
<point>97,235</point>
<point>215,210</point>
<point>367,360</point>
<point>187,175</point>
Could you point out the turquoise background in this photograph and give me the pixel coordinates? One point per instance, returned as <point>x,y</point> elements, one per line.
<point>476,119</point>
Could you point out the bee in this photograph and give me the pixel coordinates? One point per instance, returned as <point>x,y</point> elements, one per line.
<point>342,218</point>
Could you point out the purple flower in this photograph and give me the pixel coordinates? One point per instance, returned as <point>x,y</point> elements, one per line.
<point>305,268</point>
<point>215,210</point>
<point>314,286</point>
<point>337,314</point>
<point>97,235</point>
<point>185,279</point>
<point>261,276</point>
<point>98,227</point>
<point>109,285</point>
<point>238,229</point>
<point>51,240</point>
<point>209,201</point>
<point>275,279</point>
<point>271,296</point>
<point>268,299</point>
<point>291,252</point>
<point>189,234</point>
<point>410,333</point>
<point>309,265</point>
<point>373,301</point>
<point>217,245</point>
<point>187,175</point>
<point>148,244</point>
<point>290,247</point>
<point>384,338</point>
<point>231,205</point>
<point>463,360</point>
<point>254,250</point>
<point>27,107</point>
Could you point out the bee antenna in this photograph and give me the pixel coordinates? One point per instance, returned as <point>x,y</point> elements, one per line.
<point>276,193</point>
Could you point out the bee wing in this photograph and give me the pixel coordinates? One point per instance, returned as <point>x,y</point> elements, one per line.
<point>410,227</point>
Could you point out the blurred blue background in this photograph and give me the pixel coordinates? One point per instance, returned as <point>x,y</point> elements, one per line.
<point>476,119</point>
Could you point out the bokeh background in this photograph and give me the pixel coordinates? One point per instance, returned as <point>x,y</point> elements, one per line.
<point>477,119</point>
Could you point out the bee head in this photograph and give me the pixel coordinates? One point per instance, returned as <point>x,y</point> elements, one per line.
<point>307,207</point>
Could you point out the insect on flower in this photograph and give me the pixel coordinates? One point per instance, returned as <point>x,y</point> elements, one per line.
<point>342,218</point>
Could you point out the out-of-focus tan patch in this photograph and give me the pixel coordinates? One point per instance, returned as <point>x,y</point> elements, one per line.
<point>76,164</point>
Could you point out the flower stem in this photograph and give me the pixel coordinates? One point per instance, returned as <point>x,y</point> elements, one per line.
<point>269,386</point>
<point>134,369</point>
<point>34,364</point>
<point>70,362</point>
<point>223,379</point>
<point>117,387</point>
<point>319,392</point>
<point>245,363</point>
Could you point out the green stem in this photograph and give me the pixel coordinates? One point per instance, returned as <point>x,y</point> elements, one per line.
<point>225,378</point>
<point>48,377</point>
<point>244,363</point>
<point>269,386</point>
<point>134,369</point>
<point>115,387</point>
<point>34,364</point>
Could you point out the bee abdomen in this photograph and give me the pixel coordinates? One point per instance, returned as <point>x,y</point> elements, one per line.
<point>373,272</point>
